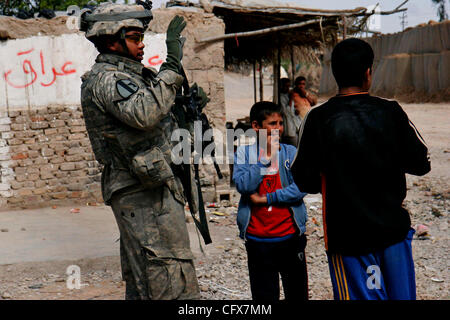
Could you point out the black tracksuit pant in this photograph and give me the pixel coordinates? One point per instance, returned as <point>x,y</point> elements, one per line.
<point>268,260</point>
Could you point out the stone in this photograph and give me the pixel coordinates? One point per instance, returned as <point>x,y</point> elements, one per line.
<point>39,125</point>
<point>78,173</point>
<point>57,160</point>
<point>60,195</point>
<point>5,127</point>
<point>76,187</point>
<point>15,185</point>
<point>67,166</point>
<point>24,192</point>
<point>78,129</point>
<point>40,183</point>
<point>47,152</point>
<point>225,203</point>
<point>421,230</point>
<point>230,210</point>
<point>436,212</point>
<point>49,132</point>
<point>19,156</point>
<point>76,150</point>
<point>33,154</point>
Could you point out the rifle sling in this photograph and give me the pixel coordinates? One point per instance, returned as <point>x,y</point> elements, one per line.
<point>201,225</point>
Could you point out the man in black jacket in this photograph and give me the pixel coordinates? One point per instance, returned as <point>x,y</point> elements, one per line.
<point>355,149</point>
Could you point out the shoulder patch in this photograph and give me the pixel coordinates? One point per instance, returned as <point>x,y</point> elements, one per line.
<point>126,88</point>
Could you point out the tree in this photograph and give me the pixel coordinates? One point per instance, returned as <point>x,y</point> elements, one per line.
<point>61,5</point>
<point>12,7</point>
<point>441,10</point>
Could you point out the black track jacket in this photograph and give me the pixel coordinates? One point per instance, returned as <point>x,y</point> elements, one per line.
<point>356,150</point>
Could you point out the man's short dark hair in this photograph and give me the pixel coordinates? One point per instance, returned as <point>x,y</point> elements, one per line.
<point>349,61</point>
<point>261,110</point>
<point>283,81</point>
<point>298,80</point>
<point>101,42</point>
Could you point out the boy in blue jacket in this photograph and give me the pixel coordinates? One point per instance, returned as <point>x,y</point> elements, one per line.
<point>271,215</point>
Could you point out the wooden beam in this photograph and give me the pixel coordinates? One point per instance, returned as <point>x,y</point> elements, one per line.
<point>396,9</point>
<point>259,32</point>
<point>292,10</point>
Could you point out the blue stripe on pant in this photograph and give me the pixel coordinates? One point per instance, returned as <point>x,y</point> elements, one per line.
<point>387,274</point>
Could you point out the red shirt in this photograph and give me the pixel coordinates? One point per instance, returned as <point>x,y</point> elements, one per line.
<point>271,221</point>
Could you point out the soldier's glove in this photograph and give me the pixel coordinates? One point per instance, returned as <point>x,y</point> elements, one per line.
<point>174,44</point>
<point>201,99</point>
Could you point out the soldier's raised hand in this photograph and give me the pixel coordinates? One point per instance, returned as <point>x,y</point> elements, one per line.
<point>176,26</point>
<point>174,44</point>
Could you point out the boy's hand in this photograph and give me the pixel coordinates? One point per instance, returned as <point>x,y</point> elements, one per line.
<point>275,145</point>
<point>303,92</point>
<point>273,148</point>
<point>258,199</point>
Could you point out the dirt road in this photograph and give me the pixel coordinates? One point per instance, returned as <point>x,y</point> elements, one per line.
<point>222,270</point>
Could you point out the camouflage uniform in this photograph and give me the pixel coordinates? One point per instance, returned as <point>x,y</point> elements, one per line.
<point>126,109</point>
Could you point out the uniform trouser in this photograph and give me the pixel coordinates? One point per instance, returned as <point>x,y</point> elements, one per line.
<point>387,274</point>
<point>156,259</point>
<point>268,260</point>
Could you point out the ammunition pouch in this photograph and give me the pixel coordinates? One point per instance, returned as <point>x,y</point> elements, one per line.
<point>151,168</point>
<point>153,171</point>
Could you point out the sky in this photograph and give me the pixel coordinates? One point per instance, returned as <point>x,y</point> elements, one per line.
<point>419,11</point>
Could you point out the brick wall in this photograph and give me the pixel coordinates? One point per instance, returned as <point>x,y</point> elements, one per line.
<point>46,158</point>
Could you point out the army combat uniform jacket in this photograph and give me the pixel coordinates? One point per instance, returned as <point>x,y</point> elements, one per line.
<point>126,109</point>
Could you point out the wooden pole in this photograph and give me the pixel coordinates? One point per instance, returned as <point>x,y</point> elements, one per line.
<point>276,73</point>
<point>261,84</point>
<point>345,27</point>
<point>254,80</point>
<point>292,65</point>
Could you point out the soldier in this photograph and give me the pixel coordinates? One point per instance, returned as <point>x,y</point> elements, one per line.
<point>127,110</point>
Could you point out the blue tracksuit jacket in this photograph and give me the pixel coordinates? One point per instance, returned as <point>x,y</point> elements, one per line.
<point>248,173</point>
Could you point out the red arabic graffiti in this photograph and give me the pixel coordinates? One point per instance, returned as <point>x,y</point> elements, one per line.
<point>154,61</point>
<point>28,68</point>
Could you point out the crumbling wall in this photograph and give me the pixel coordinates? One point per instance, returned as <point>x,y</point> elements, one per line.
<point>46,157</point>
<point>45,153</point>
<point>412,66</point>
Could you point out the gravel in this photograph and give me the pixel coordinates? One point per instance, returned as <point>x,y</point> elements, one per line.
<point>222,272</point>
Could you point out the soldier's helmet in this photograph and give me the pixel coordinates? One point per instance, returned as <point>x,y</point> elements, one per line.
<point>109,18</point>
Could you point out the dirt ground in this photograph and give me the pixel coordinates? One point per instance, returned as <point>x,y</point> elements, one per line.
<point>222,269</point>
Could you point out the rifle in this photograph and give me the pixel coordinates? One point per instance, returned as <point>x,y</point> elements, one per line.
<point>188,111</point>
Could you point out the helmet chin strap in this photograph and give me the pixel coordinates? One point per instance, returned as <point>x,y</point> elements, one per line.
<point>123,42</point>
